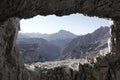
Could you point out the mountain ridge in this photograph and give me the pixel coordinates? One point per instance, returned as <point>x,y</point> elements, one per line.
<point>81,44</point>
<point>61,34</point>
<point>60,38</point>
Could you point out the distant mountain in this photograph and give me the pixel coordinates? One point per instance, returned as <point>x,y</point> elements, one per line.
<point>32,35</point>
<point>59,39</point>
<point>86,44</point>
<point>61,42</point>
<point>37,49</point>
<point>23,35</point>
<point>62,34</point>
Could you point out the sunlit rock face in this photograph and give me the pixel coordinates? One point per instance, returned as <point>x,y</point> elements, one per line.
<point>11,65</point>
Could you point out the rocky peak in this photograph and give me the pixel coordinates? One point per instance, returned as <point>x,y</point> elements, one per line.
<point>64,32</point>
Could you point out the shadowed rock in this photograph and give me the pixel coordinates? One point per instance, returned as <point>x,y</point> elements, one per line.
<point>30,8</point>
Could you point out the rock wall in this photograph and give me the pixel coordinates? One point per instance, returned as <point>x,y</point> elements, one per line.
<point>9,60</point>
<point>115,37</point>
<point>12,66</point>
<point>30,8</point>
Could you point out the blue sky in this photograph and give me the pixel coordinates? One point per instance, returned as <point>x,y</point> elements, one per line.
<point>76,23</point>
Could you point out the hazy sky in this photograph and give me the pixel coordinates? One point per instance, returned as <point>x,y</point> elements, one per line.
<point>76,23</point>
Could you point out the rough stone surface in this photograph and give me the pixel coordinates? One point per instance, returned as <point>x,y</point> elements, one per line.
<point>11,65</point>
<point>30,8</point>
<point>9,58</point>
<point>115,37</point>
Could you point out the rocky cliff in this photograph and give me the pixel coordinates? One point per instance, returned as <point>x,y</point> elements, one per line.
<point>11,66</point>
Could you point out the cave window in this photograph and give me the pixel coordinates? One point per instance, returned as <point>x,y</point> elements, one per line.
<point>49,38</point>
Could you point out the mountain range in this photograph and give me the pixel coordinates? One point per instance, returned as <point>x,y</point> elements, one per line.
<point>35,47</point>
<point>59,38</point>
<point>62,34</point>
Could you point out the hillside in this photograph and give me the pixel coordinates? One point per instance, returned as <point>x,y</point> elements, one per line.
<point>37,49</point>
<point>83,45</point>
